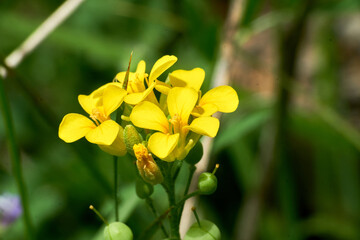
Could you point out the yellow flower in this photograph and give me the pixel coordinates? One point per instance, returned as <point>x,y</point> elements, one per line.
<point>136,89</point>
<point>170,142</point>
<point>222,98</point>
<point>99,129</point>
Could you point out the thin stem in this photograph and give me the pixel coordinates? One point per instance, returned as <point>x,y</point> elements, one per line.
<point>42,32</point>
<point>196,216</point>
<point>15,158</point>
<point>115,159</point>
<point>169,186</point>
<point>190,195</point>
<point>192,169</point>
<point>174,223</point>
<point>98,214</point>
<point>149,231</point>
<point>149,202</point>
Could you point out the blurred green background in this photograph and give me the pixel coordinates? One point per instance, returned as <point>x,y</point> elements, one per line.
<point>311,189</point>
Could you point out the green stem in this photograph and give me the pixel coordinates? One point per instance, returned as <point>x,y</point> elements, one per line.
<point>169,186</point>
<point>181,203</point>
<point>149,202</point>
<point>15,158</point>
<point>115,159</point>
<point>150,231</point>
<point>192,169</point>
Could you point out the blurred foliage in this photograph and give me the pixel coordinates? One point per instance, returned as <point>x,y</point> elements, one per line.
<point>315,192</point>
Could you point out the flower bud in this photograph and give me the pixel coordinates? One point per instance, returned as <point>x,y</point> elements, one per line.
<point>195,154</point>
<point>143,189</point>
<point>131,137</point>
<point>117,148</point>
<point>146,165</point>
<point>206,230</point>
<point>118,231</point>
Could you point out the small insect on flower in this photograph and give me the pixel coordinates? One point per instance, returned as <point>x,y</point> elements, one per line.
<point>10,209</point>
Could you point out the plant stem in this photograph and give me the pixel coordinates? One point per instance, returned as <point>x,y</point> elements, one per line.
<point>149,202</point>
<point>15,158</point>
<point>192,169</point>
<point>169,186</point>
<point>115,159</point>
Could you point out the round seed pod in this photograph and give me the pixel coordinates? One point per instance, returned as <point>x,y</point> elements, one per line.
<point>195,154</point>
<point>205,231</point>
<point>143,189</point>
<point>207,183</point>
<point>118,231</point>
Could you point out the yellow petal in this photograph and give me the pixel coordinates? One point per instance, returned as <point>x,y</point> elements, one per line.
<point>162,87</point>
<point>120,77</point>
<point>181,102</point>
<point>135,98</point>
<point>192,78</point>
<point>161,66</point>
<point>204,110</point>
<point>112,98</point>
<point>224,98</point>
<point>89,102</point>
<point>74,126</point>
<point>207,126</point>
<point>118,147</point>
<point>162,144</point>
<point>104,134</point>
<point>141,67</point>
<point>149,116</point>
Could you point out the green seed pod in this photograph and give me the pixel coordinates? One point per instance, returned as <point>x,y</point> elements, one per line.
<point>207,183</point>
<point>143,189</point>
<point>118,231</point>
<point>195,154</point>
<point>131,137</point>
<point>205,231</point>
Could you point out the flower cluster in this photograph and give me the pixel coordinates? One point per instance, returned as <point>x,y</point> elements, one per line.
<point>171,123</point>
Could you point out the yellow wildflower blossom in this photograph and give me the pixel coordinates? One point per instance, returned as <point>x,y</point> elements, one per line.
<point>170,142</point>
<point>99,129</point>
<point>136,89</point>
<point>222,98</point>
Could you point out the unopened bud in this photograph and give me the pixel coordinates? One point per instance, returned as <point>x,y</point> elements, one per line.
<point>131,137</point>
<point>146,165</point>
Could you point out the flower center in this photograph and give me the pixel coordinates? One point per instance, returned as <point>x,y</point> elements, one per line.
<point>135,85</point>
<point>98,117</point>
<point>176,123</point>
